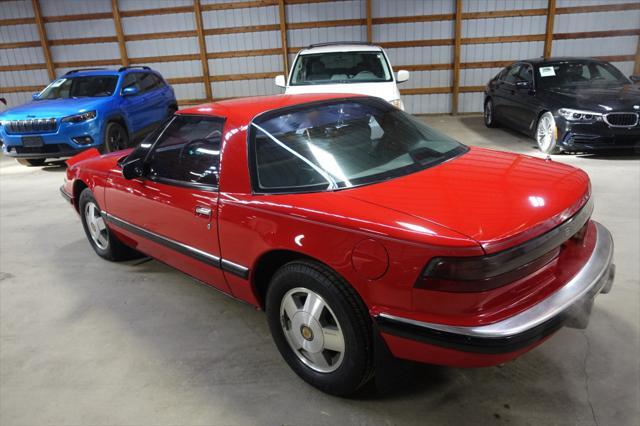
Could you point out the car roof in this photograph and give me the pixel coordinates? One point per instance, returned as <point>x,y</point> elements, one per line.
<point>332,48</point>
<point>543,61</point>
<point>104,71</point>
<point>242,110</point>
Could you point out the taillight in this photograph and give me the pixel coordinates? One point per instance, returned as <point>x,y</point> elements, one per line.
<point>459,274</point>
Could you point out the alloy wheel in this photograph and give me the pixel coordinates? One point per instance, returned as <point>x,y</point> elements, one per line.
<point>545,133</point>
<point>312,330</point>
<point>115,139</point>
<point>97,227</point>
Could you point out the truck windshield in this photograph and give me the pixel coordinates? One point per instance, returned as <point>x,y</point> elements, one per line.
<point>340,67</point>
<point>80,87</point>
<point>340,144</point>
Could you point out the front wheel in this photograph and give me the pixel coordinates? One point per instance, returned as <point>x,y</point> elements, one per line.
<point>104,243</point>
<point>489,114</point>
<point>115,138</point>
<point>321,327</point>
<point>547,134</point>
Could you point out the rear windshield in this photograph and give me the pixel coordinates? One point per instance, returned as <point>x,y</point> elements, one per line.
<point>575,74</point>
<point>80,87</point>
<point>340,67</point>
<point>341,144</point>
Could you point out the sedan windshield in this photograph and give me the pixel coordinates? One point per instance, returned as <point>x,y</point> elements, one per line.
<point>80,87</point>
<point>340,67</point>
<point>574,74</point>
<point>341,144</point>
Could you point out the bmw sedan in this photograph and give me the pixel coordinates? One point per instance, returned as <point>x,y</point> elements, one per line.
<point>566,104</point>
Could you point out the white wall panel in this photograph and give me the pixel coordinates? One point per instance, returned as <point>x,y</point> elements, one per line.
<point>150,4</point>
<point>240,17</point>
<point>470,102</point>
<point>305,37</point>
<point>420,79</point>
<point>77,29</point>
<point>625,67</point>
<point>22,78</point>
<point>163,47</point>
<point>416,31</point>
<point>189,91</point>
<point>85,52</point>
<point>331,11</point>
<point>15,99</point>
<point>427,104</point>
<point>17,9</point>
<point>477,76</point>
<point>16,33</point>
<point>243,65</point>
<point>229,89</point>
<point>572,3</point>
<point>72,7</point>
<point>596,47</point>
<point>489,5</point>
<point>501,51</point>
<point>158,23</point>
<point>24,55</point>
<point>420,55</point>
<point>601,21</point>
<point>246,41</point>
<point>494,27</point>
<point>412,7</point>
<point>177,68</point>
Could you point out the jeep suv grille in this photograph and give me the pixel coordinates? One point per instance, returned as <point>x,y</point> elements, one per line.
<point>35,125</point>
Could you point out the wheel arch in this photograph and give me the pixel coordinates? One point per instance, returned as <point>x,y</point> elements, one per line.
<point>78,186</point>
<point>118,118</point>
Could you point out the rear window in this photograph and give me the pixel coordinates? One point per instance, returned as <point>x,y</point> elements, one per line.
<point>340,144</point>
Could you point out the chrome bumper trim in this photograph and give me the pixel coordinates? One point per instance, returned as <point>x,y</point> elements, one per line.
<point>596,276</point>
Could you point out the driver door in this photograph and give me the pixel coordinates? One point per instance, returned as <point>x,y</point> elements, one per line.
<point>171,213</point>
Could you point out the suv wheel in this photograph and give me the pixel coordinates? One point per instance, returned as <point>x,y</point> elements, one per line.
<point>115,138</point>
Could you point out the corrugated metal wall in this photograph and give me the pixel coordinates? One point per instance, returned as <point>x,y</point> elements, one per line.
<point>245,39</point>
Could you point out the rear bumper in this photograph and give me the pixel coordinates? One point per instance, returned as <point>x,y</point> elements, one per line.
<point>509,338</point>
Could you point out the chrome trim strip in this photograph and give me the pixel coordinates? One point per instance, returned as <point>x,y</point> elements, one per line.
<point>185,249</point>
<point>594,275</point>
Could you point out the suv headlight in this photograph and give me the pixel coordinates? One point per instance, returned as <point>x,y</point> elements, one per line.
<point>580,115</point>
<point>397,103</point>
<point>78,118</point>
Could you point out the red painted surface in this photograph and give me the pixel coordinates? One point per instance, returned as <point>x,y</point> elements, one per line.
<point>481,202</point>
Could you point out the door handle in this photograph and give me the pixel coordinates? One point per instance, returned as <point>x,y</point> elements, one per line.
<point>203,211</point>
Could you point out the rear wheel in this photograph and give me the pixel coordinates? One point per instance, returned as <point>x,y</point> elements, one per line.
<point>547,134</point>
<point>321,327</point>
<point>489,114</point>
<point>104,243</point>
<point>115,138</point>
<point>32,162</point>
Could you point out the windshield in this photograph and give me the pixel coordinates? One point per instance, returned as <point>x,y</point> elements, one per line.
<point>340,67</point>
<point>340,144</point>
<point>566,75</point>
<point>80,87</point>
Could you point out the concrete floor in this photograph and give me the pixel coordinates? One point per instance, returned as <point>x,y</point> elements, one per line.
<point>87,342</point>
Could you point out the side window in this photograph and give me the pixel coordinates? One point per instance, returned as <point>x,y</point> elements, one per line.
<point>188,150</point>
<point>512,73</point>
<point>146,81</point>
<point>130,80</point>
<point>525,74</point>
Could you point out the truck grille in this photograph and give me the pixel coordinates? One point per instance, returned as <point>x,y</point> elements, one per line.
<point>621,119</point>
<point>35,125</point>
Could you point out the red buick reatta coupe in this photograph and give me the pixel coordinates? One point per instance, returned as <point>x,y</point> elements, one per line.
<point>357,228</point>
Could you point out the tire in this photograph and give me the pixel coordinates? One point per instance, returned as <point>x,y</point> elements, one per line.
<point>104,243</point>
<point>32,162</point>
<point>115,138</point>
<point>489,114</point>
<point>339,366</point>
<point>546,134</point>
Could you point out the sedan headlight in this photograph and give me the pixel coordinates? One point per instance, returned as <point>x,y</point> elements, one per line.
<point>78,118</point>
<point>580,115</point>
<point>397,103</point>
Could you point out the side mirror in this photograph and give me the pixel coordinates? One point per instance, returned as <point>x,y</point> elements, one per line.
<point>403,75</point>
<point>130,91</point>
<point>635,78</point>
<point>133,168</point>
<point>35,96</point>
<point>280,81</point>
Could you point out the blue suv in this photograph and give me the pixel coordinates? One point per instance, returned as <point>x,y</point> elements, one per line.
<point>96,108</point>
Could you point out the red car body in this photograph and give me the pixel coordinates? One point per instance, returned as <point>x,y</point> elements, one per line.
<point>378,237</point>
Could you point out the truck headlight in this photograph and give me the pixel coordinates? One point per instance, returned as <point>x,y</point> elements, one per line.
<point>580,115</point>
<point>397,103</point>
<point>78,118</point>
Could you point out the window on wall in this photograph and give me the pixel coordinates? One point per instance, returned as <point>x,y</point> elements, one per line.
<point>188,151</point>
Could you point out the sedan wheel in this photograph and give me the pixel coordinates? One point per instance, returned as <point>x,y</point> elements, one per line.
<point>97,227</point>
<point>312,330</point>
<point>489,114</point>
<point>546,133</point>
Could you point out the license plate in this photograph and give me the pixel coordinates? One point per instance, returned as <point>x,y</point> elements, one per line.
<point>32,141</point>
